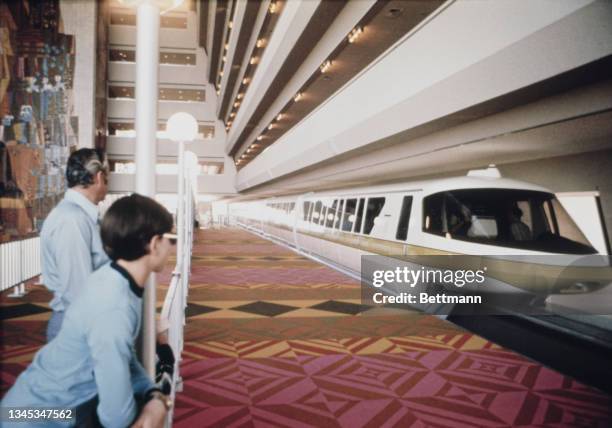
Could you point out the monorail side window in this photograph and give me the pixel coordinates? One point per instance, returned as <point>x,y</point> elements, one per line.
<point>375,206</point>
<point>402,226</point>
<point>339,216</point>
<point>331,214</point>
<point>323,214</point>
<point>306,210</point>
<point>348,219</point>
<point>316,213</point>
<point>525,219</point>
<point>359,215</point>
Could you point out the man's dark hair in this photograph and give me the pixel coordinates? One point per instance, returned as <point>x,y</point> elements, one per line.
<point>83,165</point>
<point>130,223</point>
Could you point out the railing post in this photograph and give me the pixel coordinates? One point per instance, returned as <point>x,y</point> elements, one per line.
<point>180,215</point>
<point>19,289</point>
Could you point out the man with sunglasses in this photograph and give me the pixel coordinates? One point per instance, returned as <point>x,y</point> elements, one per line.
<point>70,238</point>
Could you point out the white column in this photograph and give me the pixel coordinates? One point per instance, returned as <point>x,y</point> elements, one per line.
<point>147,70</point>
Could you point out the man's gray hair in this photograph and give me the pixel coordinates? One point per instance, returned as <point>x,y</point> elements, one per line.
<point>83,165</point>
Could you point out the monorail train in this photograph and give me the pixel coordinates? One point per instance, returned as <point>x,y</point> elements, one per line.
<point>519,231</point>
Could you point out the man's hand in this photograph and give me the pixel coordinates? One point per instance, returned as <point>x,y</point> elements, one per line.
<point>153,415</point>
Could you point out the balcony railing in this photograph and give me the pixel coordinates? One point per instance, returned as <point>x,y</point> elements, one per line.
<point>19,262</point>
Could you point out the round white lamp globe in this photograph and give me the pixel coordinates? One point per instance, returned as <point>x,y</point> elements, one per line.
<point>182,127</point>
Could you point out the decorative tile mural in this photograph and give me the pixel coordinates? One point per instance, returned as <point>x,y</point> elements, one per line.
<point>37,130</point>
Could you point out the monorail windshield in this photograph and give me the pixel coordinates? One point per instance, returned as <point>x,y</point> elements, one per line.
<point>524,219</point>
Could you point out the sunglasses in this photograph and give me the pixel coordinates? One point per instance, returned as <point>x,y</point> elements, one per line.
<point>172,237</point>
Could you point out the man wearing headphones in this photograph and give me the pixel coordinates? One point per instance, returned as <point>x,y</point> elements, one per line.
<point>70,238</point>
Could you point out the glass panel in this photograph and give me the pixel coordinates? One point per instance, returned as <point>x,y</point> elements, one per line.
<point>348,218</point>
<point>316,214</point>
<point>375,206</point>
<point>402,226</point>
<point>339,216</point>
<point>310,210</point>
<point>524,219</point>
<point>331,214</point>
<point>359,215</point>
<point>323,214</point>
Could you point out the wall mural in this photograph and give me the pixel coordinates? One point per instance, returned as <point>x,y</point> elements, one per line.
<point>37,130</point>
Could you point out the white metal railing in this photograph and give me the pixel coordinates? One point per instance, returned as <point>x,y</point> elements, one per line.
<point>19,262</point>
<point>175,303</point>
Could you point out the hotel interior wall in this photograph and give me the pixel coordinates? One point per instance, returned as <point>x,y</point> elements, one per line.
<point>79,19</point>
<point>177,76</point>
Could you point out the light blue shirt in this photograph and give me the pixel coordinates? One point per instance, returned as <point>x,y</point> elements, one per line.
<point>71,248</point>
<point>93,354</point>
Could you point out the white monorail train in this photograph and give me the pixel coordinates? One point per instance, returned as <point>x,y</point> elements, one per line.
<point>518,230</point>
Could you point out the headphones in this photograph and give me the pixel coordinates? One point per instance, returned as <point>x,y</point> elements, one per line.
<point>79,173</point>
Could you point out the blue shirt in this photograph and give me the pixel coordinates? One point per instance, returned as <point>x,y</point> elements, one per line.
<point>71,248</point>
<point>93,354</point>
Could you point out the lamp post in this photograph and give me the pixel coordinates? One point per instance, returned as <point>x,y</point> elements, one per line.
<point>181,128</point>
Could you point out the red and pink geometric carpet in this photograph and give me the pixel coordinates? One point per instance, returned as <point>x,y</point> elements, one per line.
<point>276,340</point>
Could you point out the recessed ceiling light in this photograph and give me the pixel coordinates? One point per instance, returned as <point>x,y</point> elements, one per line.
<point>273,7</point>
<point>325,66</point>
<point>354,34</point>
<point>297,97</point>
<point>260,43</point>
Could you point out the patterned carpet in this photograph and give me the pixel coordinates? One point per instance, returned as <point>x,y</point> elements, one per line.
<point>274,339</point>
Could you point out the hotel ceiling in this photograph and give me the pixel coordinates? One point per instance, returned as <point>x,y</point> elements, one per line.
<point>384,24</point>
